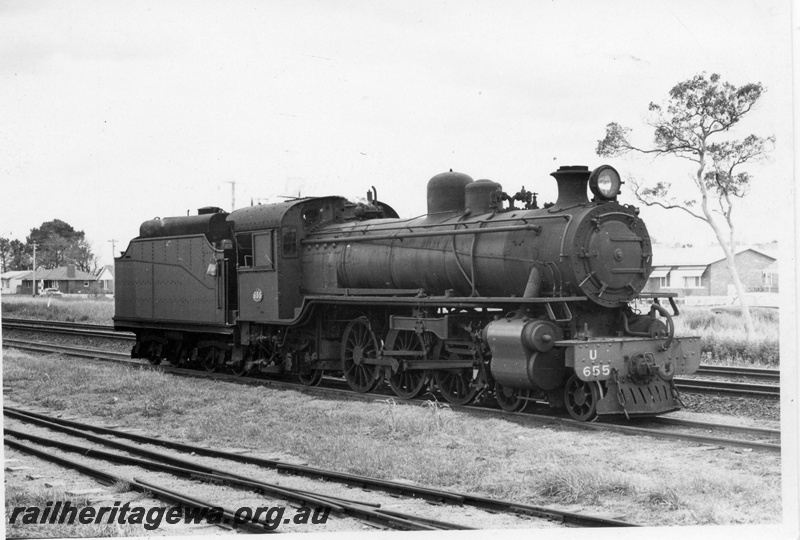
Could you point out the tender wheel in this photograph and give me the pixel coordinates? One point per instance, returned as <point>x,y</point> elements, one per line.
<point>411,383</point>
<point>359,344</point>
<point>455,386</point>
<point>240,371</point>
<point>210,361</point>
<point>178,356</point>
<point>581,398</point>
<point>510,399</point>
<point>311,378</point>
<point>154,353</point>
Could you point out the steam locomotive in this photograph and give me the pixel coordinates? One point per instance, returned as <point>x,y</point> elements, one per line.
<point>487,295</point>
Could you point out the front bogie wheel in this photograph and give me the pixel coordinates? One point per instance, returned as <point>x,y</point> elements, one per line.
<point>311,377</point>
<point>511,399</point>
<point>581,398</point>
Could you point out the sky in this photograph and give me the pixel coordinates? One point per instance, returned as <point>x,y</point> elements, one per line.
<point>113,113</point>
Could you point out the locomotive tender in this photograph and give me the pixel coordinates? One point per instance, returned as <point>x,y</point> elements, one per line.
<point>477,298</point>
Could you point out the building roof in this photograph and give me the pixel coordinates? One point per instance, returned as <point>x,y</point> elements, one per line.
<point>109,268</point>
<point>60,274</point>
<point>697,256</point>
<point>15,274</point>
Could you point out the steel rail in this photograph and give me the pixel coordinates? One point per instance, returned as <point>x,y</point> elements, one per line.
<point>690,437</point>
<point>705,386</point>
<point>60,327</point>
<point>151,465</point>
<point>628,429</point>
<point>137,485</point>
<point>752,430</point>
<point>750,372</point>
<point>68,350</point>
<point>364,511</point>
<point>337,392</point>
<point>373,483</point>
<point>56,324</point>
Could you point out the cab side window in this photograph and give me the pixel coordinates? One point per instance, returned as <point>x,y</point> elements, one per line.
<point>244,245</point>
<point>263,250</point>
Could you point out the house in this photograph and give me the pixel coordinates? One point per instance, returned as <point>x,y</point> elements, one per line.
<point>12,281</point>
<point>105,279</point>
<point>770,277</point>
<point>66,279</point>
<point>704,271</point>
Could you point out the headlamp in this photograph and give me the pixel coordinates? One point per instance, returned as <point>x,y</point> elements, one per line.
<point>605,182</point>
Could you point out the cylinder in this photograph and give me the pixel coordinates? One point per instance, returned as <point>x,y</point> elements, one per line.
<point>521,358</point>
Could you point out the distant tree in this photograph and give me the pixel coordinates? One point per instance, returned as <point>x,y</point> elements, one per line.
<point>20,256</point>
<point>5,254</point>
<point>697,112</point>
<point>83,257</point>
<point>59,244</point>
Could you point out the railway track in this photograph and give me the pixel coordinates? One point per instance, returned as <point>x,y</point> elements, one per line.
<point>732,388</point>
<point>660,427</point>
<point>691,384</point>
<point>63,327</point>
<point>737,371</point>
<point>184,465</point>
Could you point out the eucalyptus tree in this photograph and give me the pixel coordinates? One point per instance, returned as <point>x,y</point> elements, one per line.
<point>692,125</point>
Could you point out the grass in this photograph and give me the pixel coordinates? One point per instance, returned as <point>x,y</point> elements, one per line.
<point>657,482</point>
<point>724,340</point>
<point>18,495</point>
<point>70,309</point>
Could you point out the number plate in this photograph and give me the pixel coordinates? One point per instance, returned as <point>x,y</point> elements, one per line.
<point>596,371</point>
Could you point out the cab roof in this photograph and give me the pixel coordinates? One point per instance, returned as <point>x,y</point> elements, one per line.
<point>269,216</point>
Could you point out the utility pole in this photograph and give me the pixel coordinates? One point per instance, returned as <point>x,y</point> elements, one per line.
<point>33,289</point>
<point>233,193</point>
<point>113,248</point>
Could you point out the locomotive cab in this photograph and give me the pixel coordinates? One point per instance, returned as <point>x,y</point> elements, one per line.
<point>268,261</point>
<point>271,255</point>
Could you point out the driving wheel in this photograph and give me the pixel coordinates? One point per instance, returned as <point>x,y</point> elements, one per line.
<point>359,345</point>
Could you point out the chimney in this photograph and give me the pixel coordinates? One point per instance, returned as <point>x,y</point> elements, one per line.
<point>70,270</point>
<point>572,182</point>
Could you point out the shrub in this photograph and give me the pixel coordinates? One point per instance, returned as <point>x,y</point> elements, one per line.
<point>724,339</point>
